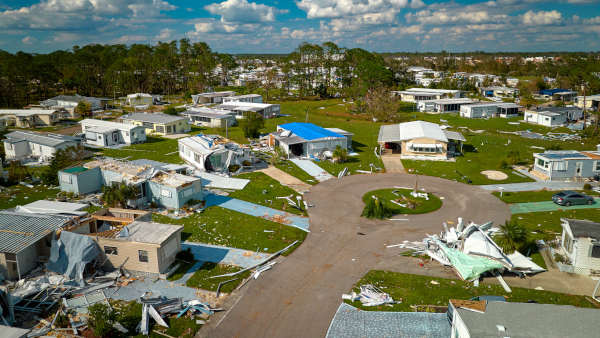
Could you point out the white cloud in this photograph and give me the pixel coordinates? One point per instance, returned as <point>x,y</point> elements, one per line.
<point>165,34</point>
<point>242,11</point>
<point>28,40</point>
<point>341,8</point>
<point>532,18</point>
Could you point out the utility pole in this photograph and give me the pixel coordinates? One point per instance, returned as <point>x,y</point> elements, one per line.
<point>584,103</point>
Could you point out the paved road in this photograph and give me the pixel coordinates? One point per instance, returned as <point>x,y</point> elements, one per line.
<point>300,295</point>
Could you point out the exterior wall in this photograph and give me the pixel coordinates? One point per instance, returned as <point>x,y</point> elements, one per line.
<point>135,135</point>
<point>459,329</point>
<point>16,151</point>
<point>581,258</point>
<point>548,121</point>
<point>127,252</point>
<point>587,170</point>
<point>180,126</point>
<point>173,198</point>
<point>477,112</point>
<point>80,183</point>
<point>27,258</point>
<point>407,152</point>
<point>167,252</point>
<point>25,149</point>
<point>318,146</point>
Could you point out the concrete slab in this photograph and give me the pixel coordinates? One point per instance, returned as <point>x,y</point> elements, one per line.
<point>257,211</point>
<point>224,255</point>
<point>312,169</point>
<point>286,179</point>
<point>523,208</point>
<point>221,182</point>
<point>157,288</point>
<point>392,163</point>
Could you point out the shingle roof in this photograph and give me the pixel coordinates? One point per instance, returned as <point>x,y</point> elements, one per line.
<point>152,117</point>
<point>584,228</point>
<point>531,320</point>
<point>20,230</point>
<point>47,139</point>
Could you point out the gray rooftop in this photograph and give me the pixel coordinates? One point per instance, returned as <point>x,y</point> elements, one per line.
<point>54,207</point>
<point>531,320</point>
<point>46,139</point>
<point>150,232</point>
<point>20,230</point>
<point>584,228</point>
<point>415,129</point>
<point>152,117</point>
<point>352,322</point>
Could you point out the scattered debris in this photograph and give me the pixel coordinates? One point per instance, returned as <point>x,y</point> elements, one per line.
<point>370,295</point>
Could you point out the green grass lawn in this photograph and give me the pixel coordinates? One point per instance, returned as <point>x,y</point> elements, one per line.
<point>421,205</point>
<point>156,148</point>
<point>292,169</point>
<point>264,190</point>
<point>225,227</point>
<point>530,196</point>
<point>418,290</point>
<point>537,258</point>
<point>547,225</point>
<point>200,279</point>
<point>18,194</point>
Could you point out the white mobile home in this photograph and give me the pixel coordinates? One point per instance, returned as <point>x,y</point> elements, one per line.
<point>442,106</point>
<point>425,94</point>
<point>106,133</point>
<point>210,153</point>
<point>580,242</point>
<point>590,102</point>
<point>253,98</point>
<point>241,109</point>
<point>545,118</point>
<point>211,98</point>
<point>22,145</point>
<point>209,117</point>
<point>491,109</point>
<point>142,99</point>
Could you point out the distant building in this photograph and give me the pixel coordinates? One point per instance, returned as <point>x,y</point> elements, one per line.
<point>511,319</point>
<point>107,133</point>
<point>209,117</point>
<point>558,94</point>
<point>442,106</point>
<point>426,94</point>
<point>580,243</point>
<point>31,118</point>
<point>212,153</point>
<point>307,139</point>
<point>253,98</point>
<point>563,165</point>
<point>158,123</point>
<point>142,99</point>
<point>159,183</point>
<point>545,118</point>
<point>592,102</point>
<point>512,81</point>
<point>420,140</point>
<point>241,109</point>
<point>29,145</point>
<point>499,92</point>
<point>211,97</point>
<point>489,109</point>
<point>70,102</point>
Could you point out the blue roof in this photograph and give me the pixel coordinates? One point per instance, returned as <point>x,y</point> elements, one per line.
<point>552,91</point>
<point>308,131</point>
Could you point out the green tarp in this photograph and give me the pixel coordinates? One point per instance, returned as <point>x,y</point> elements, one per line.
<point>468,266</point>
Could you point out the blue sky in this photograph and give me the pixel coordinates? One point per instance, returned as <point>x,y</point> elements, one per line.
<point>279,26</point>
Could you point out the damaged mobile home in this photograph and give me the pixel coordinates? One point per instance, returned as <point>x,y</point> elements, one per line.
<point>158,183</point>
<point>212,153</point>
<point>306,139</point>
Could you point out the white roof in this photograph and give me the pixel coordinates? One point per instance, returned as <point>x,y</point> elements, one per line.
<point>138,95</point>
<point>149,232</point>
<point>103,126</point>
<point>452,101</point>
<point>199,144</point>
<point>26,112</point>
<point>417,129</point>
<point>495,104</point>
<point>430,90</point>
<point>53,207</point>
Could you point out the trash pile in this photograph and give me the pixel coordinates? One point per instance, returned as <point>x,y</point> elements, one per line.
<point>471,252</point>
<point>370,295</point>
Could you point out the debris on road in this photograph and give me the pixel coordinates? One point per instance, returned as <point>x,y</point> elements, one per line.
<point>370,295</point>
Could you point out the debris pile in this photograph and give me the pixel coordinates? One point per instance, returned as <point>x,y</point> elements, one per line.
<point>471,252</point>
<point>370,295</point>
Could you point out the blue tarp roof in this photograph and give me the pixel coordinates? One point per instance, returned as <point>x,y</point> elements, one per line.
<point>552,91</point>
<point>309,131</point>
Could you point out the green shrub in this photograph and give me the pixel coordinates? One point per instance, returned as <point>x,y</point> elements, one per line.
<point>101,319</point>
<point>587,187</point>
<point>376,208</point>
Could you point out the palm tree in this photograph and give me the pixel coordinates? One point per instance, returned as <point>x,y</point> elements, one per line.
<point>340,154</point>
<point>118,195</point>
<point>511,237</point>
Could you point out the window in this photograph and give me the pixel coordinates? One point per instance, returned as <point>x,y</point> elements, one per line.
<point>568,243</point>
<point>165,193</point>
<point>168,129</point>
<point>595,251</point>
<point>65,178</point>
<point>8,146</point>
<point>160,129</point>
<point>148,125</point>
<point>143,256</point>
<point>111,250</point>
<point>596,165</point>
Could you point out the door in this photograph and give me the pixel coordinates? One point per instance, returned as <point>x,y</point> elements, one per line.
<point>578,169</point>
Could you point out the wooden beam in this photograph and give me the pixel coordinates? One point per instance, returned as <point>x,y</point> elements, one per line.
<point>112,219</point>
<point>17,232</point>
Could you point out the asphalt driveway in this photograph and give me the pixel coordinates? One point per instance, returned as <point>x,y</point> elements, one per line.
<point>300,295</point>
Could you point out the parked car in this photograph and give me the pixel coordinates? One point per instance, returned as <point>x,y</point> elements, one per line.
<point>568,198</point>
